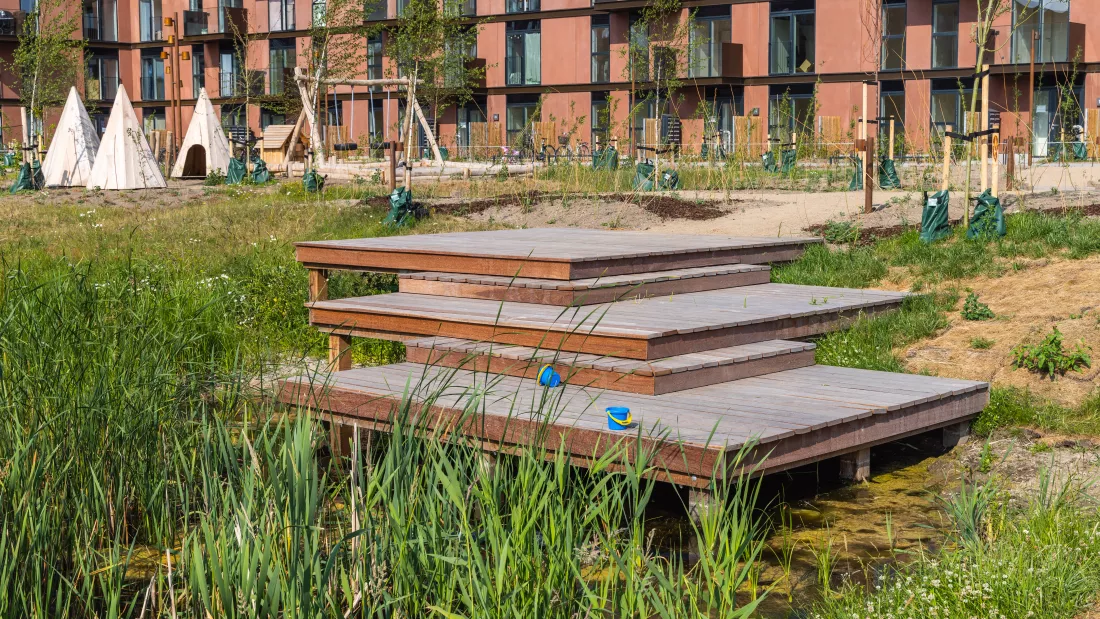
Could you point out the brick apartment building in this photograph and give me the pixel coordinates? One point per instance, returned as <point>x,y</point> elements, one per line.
<point>750,58</point>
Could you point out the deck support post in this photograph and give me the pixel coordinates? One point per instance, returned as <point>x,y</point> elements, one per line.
<point>856,466</point>
<point>318,285</point>
<point>955,434</point>
<point>341,438</point>
<point>339,352</point>
<point>700,502</point>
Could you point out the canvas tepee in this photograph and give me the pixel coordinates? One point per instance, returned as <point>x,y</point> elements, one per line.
<point>73,149</point>
<point>205,148</point>
<point>124,160</point>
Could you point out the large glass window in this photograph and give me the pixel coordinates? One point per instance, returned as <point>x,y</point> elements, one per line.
<point>374,57</point>
<point>102,80</point>
<point>709,33</point>
<point>893,35</point>
<point>152,76</point>
<point>282,55</point>
<point>601,120</point>
<point>230,80</point>
<point>790,111</point>
<point>792,37</point>
<point>198,69</point>
<point>639,49</point>
<point>280,15</point>
<point>521,112</point>
<point>949,101</point>
<point>945,35</point>
<point>891,103</point>
<point>149,18</point>
<point>601,49</point>
<point>1048,18</point>
<point>521,6</point>
<point>153,120</point>
<point>100,20</point>
<point>523,53</point>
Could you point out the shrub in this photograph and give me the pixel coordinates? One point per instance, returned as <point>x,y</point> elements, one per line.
<point>973,309</point>
<point>1050,357</point>
<point>215,177</point>
<point>838,232</point>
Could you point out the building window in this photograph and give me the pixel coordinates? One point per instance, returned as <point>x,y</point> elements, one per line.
<point>709,34</point>
<point>229,84</point>
<point>949,104</point>
<point>282,55</point>
<point>792,36</point>
<point>280,15</point>
<point>945,35</point>
<point>522,6</point>
<point>378,10</point>
<point>523,53</point>
<point>152,76</point>
<point>102,80</point>
<point>100,20</point>
<point>198,69</point>
<point>268,118</point>
<point>149,17</point>
<point>1049,18</point>
<point>374,57</point>
<point>790,111</point>
<point>639,49</point>
<point>461,8</point>
<point>892,103</point>
<point>234,120</point>
<point>522,110</point>
<point>893,35</point>
<point>153,120</point>
<point>601,49</point>
<point>601,119</point>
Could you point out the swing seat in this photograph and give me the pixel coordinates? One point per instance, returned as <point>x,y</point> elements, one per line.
<point>345,146</point>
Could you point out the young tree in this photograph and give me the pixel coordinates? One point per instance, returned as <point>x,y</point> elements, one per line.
<point>48,59</point>
<point>431,44</point>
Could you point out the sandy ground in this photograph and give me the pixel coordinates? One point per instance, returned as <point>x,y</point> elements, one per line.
<point>1028,303</point>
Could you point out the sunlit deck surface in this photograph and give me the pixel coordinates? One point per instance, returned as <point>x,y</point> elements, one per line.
<point>548,253</point>
<point>793,417</point>
<point>649,328</point>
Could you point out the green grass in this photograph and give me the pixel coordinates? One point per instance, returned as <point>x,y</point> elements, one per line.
<point>1039,561</point>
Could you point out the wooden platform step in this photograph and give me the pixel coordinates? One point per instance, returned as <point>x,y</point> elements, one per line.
<point>787,418</point>
<point>548,253</point>
<point>648,329</point>
<point>590,291</point>
<point>615,374</point>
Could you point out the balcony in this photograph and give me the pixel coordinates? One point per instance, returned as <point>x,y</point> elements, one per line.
<point>207,25</point>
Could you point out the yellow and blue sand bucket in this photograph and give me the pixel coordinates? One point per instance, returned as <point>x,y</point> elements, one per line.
<point>618,417</point>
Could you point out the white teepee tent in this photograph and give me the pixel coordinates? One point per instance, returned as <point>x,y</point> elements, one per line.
<point>205,148</point>
<point>124,160</point>
<point>69,161</point>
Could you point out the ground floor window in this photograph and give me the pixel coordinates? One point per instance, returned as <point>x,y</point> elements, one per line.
<point>892,104</point>
<point>791,110</point>
<point>522,110</point>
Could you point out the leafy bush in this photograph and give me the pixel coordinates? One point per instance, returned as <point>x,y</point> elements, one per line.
<point>838,232</point>
<point>1050,357</point>
<point>973,309</point>
<point>215,177</point>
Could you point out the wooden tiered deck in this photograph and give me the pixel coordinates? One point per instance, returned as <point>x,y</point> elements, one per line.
<point>686,331</point>
<point>563,254</point>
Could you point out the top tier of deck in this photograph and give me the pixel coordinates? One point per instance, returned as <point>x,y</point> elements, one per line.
<point>547,253</point>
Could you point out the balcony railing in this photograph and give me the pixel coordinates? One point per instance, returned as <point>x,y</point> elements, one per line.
<point>200,23</point>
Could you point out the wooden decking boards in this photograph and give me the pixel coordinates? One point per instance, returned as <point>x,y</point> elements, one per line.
<point>590,291</point>
<point>562,254</point>
<point>791,417</point>
<point>612,373</point>
<point>650,328</point>
<point>686,331</point>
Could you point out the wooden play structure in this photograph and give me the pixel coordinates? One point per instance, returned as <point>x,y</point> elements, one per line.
<point>686,331</point>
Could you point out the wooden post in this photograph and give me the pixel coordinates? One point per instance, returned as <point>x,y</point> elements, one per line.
<point>318,285</point>
<point>1010,163</point>
<point>339,352</point>
<point>946,160</point>
<point>700,502</point>
<point>891,138</point>
<point>863,129</point>
<point>1031,99</point>
<point>856,466</point>
<point>995,177</point>
<point>25,117</point>
<point>983,144</point>
<point>391,180</point>
<point>768,141</point>
<point>868,175</point>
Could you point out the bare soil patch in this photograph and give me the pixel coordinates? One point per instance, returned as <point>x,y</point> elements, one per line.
<point>1028,303</point>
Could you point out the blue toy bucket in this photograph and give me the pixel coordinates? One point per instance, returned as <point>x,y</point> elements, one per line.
<point>618,417</point>
<point>548,377</point>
